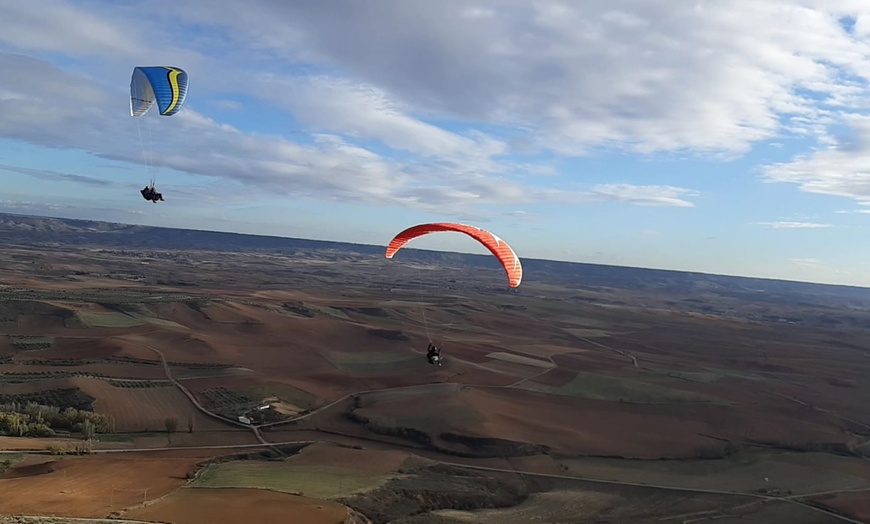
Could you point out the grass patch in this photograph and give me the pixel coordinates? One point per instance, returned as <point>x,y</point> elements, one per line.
<point>329,311</point>
<point>7,460</point>
<point>799,472</point>
<point>537,386</point>
<point>312,481</point>
<point>585,322</point>
<point>427,391</point>
<point>431,410</point>
<point>736,373</point>
<point>705,377</point>
<point>587,333</point>
<point>409,303</point>
<point>456,418</point>
<point>519,359</point>
<point>603,387</point>
<point>110,319</point>
<point>158,321</point>
<point>444,328</point>
<point>370,363</point>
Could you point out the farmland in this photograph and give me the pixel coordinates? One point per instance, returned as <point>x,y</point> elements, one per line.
<point>603,387</point>
<point>229,506</point>
<point>376,363</point>
<point>319,470</point>
<point>323,482</point>
<point>89,487</point>
<point>143,409</point>
<point>750,472</point>
<point>617,397</point>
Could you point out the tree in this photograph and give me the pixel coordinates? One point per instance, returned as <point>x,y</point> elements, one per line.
<point>88,430</point>
<point>171,424</point>
<point>190,423</point>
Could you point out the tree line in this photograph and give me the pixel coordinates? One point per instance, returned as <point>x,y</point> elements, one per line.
<point>30,419</point>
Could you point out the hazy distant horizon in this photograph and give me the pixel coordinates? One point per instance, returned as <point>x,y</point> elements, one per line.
<point>471,249</point>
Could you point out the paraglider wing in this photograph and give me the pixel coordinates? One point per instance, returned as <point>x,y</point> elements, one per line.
<point>498,247</point>
<point>167,86</point>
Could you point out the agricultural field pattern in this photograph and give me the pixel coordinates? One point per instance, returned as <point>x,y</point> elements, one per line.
<point>187,377</point>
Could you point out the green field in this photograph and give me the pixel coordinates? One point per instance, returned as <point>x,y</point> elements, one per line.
<point>750,471</point>
<point>588,332</point>
<point>329,311</point>
<point>399,303</point>
<point>311,481</point>
<point>555,506</point>
<point>7,460</point>
<point>430,391</point>
<point>443,329</point>
<point>113,319</point>
<point>706,377</point>
<point>604,387</point>
<point>444,418</point>
<point>370,363</point>
<point>99,296</point>
<point>158,321</point>
<point>109,319</point>
<point>407,408</point>
<point>585,322</point>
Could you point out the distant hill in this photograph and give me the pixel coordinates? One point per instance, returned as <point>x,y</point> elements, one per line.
<point>48,231</point>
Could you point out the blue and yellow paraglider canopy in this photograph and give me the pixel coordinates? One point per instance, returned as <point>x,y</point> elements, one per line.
<point>162,84</point>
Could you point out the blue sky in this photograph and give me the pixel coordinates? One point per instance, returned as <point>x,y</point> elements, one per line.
<point>723,137</point>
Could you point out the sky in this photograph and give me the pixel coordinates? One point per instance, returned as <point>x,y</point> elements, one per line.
<point>721,136</point>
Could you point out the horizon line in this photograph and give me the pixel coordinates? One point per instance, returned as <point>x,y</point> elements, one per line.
<point>464,253</point>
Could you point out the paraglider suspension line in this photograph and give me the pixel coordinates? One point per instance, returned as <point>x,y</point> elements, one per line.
<point>151,165</point>
<point>145,159</point>
<point>460,294</point>
<point>423,310</point>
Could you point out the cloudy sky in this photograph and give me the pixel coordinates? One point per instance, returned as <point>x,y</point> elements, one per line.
<point>711,135</point>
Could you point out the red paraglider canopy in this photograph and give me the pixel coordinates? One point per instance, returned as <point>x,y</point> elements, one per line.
<point>509,260</point>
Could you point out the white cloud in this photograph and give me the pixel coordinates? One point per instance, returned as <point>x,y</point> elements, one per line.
<point>66,210</point>
<point>46,174</point>
<point>814,266</point>
<point>646,75</point>
<point>364,111</point>
<point>85,116</point>
<point>806,262</point>
<point>59,27</point>
<point>842,169</point>
<point>645,195</point>
<point>228,104</point>
<point>793,225</point>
